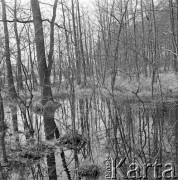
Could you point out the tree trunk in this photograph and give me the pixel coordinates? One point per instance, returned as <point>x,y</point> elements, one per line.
<point>11,87</point>
<point>78,63</point>
<point>2,129</point>
<point>44,74</point>
<point>19,70</point>
<point>2,135</point>
<point>81,45</point>
<point>176,63</point>
<point>145,63</point>
<point>172,23</point>
<point>176,135</point>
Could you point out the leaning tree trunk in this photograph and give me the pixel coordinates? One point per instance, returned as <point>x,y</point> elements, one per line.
<point>44,74</point>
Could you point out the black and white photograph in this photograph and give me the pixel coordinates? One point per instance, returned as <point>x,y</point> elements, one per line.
<point>88,89</point>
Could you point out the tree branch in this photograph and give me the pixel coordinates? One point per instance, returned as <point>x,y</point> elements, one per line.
<point>31,21</point>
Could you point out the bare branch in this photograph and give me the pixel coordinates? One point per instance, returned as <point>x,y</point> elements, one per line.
<point>31,21</point>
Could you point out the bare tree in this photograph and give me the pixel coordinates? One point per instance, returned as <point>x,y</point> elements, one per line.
<point>44,74</point>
